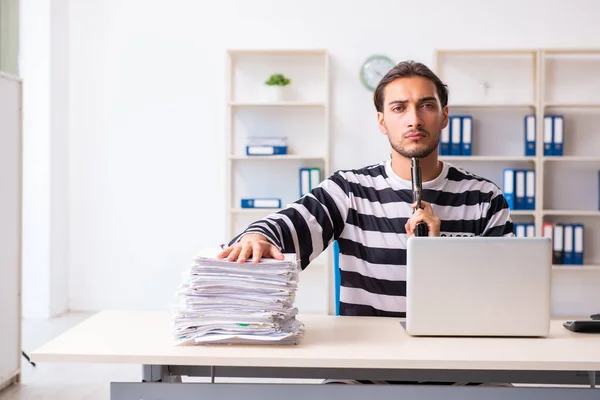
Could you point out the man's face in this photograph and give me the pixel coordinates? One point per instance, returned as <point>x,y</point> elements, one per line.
<point>412,116</point>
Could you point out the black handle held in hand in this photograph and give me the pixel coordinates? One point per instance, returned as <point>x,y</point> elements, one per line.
<point>421,227</point>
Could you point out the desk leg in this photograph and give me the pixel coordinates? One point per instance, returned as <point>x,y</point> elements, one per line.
<point>592,379</point>
<point>158,373</point>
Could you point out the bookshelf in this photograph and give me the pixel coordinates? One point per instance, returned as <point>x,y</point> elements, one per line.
<point>302,117</point>
<point>498,88</point>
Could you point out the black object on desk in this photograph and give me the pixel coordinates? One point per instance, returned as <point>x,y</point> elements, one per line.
<point>595,316</point>
<point>583,326</point>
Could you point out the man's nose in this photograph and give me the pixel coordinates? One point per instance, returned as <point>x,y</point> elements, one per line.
<point>414,118</point>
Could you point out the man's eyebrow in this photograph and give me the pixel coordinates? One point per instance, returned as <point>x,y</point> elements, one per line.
<point>421,100</point>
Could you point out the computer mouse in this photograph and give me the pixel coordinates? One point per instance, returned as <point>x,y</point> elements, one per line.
<point>595,317</point>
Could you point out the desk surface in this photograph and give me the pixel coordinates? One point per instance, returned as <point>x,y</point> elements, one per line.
<point>145,337</point>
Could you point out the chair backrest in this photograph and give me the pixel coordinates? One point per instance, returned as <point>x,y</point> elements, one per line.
<point>336,270</point>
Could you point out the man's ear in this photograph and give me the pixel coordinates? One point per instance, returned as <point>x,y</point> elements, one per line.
<point>445,119</point>
<point>381,123</point>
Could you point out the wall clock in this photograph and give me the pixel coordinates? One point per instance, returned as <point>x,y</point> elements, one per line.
<point>373,69</point>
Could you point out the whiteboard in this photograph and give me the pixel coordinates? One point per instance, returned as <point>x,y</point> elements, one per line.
<point>10,226</point>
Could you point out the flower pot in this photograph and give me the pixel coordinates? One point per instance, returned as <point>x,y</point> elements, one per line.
<point>277,93</point>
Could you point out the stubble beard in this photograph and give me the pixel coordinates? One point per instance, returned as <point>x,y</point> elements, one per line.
<point>418,152</point>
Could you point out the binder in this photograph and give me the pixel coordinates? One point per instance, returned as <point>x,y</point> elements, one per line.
<point>261,203</point>
<point>558,135</point>
<point>568,244</point>
<point>520,230</point>
<point>455,135</point>
<point>548,231</point>
<point>530,230</point>
<point>520,203</point>
<point>467,134</point>
<point>265,150</point>
<point>315,177</point>
<point>529,135</point>
<point>304,181</point>
<point>578,244</point>
<point>548,134</point>
<point>530,189</point>
<point>445,141</point>
<point>508,187</point>
<point>558,244</point>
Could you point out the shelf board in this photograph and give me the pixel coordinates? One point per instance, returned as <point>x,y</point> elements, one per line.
<point>498,105</point>
<point>522,212</point>
<point>585,267</point>
<point>572,158</point>
<point>573,213</point>
<point>277,157</point>
<point>488,158</point>
<point>277,104</point>
<point>278,52</point>
<point>253,210</point>
<point>572,105</point>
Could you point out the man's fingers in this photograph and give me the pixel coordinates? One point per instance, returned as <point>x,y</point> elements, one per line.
<point>235,251</point>
<point>275,253</point>
<point>225,252</point>
<point>257,252</point>
<point>245,253</point>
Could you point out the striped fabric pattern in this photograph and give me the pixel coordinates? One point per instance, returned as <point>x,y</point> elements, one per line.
<point>365,210</point>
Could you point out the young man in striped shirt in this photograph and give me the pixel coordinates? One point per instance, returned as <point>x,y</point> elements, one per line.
<point>370,210</point>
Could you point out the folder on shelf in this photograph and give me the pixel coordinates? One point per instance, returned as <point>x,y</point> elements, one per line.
<point>261,203</point>
<point>508,187</point>
<point>578,244</point>
<point>557,135</point>
<point>445,141</point>
<point>315,177</point>
<point>548,134</point>
<point>304,181</point>
<point>558,243</point>
<point>455,135</point>
<point>529,135</point>
<point>520,230</point>
<point>467,135</point>
<point>530,230</point>
<point>520,202</point>
<point>568,244</point>
<point>530,189</point>
<point>548,232</point>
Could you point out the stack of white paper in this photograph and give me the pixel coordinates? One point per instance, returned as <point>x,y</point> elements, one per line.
<point>226,302</point>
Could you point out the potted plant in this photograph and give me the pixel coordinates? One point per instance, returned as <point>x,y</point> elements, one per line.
<point>277,83</point>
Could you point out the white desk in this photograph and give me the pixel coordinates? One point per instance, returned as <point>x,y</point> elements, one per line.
<point>333,347</point>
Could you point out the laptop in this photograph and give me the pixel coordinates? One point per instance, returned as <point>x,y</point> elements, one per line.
<point>478,286</point>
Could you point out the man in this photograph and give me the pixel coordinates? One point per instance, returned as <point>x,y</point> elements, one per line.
<point>370,211</point>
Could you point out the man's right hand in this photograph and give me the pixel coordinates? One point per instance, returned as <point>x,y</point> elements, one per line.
<point>252,245</point>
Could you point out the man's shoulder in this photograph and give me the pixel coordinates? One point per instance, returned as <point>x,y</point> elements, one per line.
<point>369,171</point>
<point>460,174</point>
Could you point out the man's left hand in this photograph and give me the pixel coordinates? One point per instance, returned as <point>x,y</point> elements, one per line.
<point>424,214</point>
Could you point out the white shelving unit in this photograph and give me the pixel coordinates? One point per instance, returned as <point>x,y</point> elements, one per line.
<point>500,87</point>
<point>302,117</point>
<point>10,228</point>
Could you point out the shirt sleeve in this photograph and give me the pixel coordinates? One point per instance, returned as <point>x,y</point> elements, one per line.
<point>497,217</point>
<point>307,226</point>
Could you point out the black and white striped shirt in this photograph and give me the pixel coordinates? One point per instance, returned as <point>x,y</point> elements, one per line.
<point>366,210</point>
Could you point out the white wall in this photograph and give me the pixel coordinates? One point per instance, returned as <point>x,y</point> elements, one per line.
<point>147,116</point>
<point>43,65</point>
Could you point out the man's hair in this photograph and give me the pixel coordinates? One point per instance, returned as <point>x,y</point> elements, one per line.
<point>408,69</point>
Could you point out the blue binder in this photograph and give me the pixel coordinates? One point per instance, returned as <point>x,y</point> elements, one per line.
<point>568,238</point>
<point>529,125</point>
<point>467,134</point>
<point>445,141</point>
<point>520,203</point>
<point>578,244</point>
<point>261,203</point>
<point>455,135</point>
<point>548,135</point>
<point>508,187</point>
<point>557,135</point>
<point>530,189</point>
